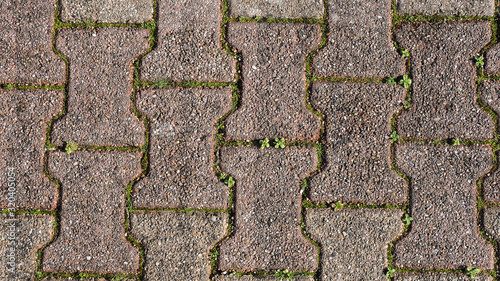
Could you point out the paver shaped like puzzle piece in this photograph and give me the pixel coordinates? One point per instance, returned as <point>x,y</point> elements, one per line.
<point>266,227</point>
<point>484,8</point>
<point>354,241</point>
<point>492,62</point>
<point>177,245</point>
<point>182,143</point>
<point>22,236</point>
<point>92,215</point>
<point>444,81</point>
<point>99,109</point>
<point>253,278</point>
<point>444,233</point>
<point>273,98</point>
<point>276,9</point>
<point>24,115</point>
<point>359,41</point>
<point>439,276</point>
<point>108,11</point>
<point>358,149</point>
<point>26,43</point>
<point>189,44</point>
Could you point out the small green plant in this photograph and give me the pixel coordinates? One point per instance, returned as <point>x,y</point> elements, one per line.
<point>214,255</point>
<point>456,142</point>
<point>472,271</point>
<point>405,81</point>
<point>280,143</point>
<point>230,182</point>
<point>407,220</point>
<point>391,80</point>
<point>405,53</point>
<point>9,86</point>
<point>479,61</point>
<point>223,176</point>
<point>390,272</point>
<point>394,137</point>
<point>264,143</point>
<point>71,147</point>
<point>338,205</point>
<point>283,275</point>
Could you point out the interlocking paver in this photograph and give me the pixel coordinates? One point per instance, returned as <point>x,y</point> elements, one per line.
<point>491,221</point>
<point>182,143</point>
<point>439,276</point>
<point>276,9</point>
<point>177,245</point>
<point>443,204</point>
<point>490,91</point>
<point>100,86</point>
<point>273,98</point>
<point>357,120</point>
<point>266,230</point>
<point>253,278</point>
<point>24,115</point>
<point>492,60</point>
<point>447,7</point>
<point>20,241</point>
<point>26,43</point>
<point>359,41</point>
<point>92,213</point>
<point>354,241</point>
<point>108,11</point>
<point>189,44</point>
<point>444,81</point>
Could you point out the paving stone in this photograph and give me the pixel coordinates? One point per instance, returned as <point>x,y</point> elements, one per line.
<point>439,276</point>
<point>444,233</point>
<point>189,44</point>
<point>485,8</point>
<point>182,142</point>
<point>353,241</point>
<point>359,41</point>
<point>273,98</point>
<point>277,9</point>
<point>177,245</point>
<point>108,11</point>
<point>92,215</point>
<point>253,278</point>
<point>491,222</point>
<point>22,236</point>
<point>26,43</point>
<point>24,116</point>
<point>267,209</point>
<point>490,91</point>
<point>100,86</point>
<point>492,61</point>
<point>444,81</point>
<point>77,279</point>
<point>357,120</point>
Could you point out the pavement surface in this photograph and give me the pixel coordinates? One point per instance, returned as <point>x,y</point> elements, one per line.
<point>249,140</point>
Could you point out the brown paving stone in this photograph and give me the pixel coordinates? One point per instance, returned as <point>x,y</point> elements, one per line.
<point>444,81</point>
<point>189,44</point>
<point>444,233</point>
<point>24,115</point>
<point>273,98</point>
<point>182,142</point>
<point>30,232</point>
<point>439,276</point>
<point>277,9</point>
<point>359,41</point>
<point>266,227</point>
<point>26,54</point>
<point>447,7</point>
<point>109,11</point>
<point>92,216</point>
<point>357,120</point>
<point>253,278</point>
<point>177,245</point>
<point>492,60</point>
<point>100,86</point>
<point>491,222</point>
<point>353,241</point>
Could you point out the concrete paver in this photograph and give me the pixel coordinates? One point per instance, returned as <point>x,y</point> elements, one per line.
<point>290,9</point>
<point>447,7</point>
<point>439,276</point>
<point>108,11</point>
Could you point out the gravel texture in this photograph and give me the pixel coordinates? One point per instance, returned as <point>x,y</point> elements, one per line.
<point>444,78</point>
<point>92,215</point>
<point>21,237</point>
<point>442,276</point>
<point>26,43</point>
<point>24,115</point>
<point>253,278</point>
<point>491,222</point>
<point>357,120</point>
<point>99,109</point>
<point>492,61</point>
<point>359,41</point>
<point>267,209</point>
<point>277,8</point>
<point>353,241</point>
<point>108,11</point>
<point>177,245</point>
<point>189,44</point>
<point>273,97</point>
<point>182,142</point>
<point>444,233</point>
<point>484,8</point>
